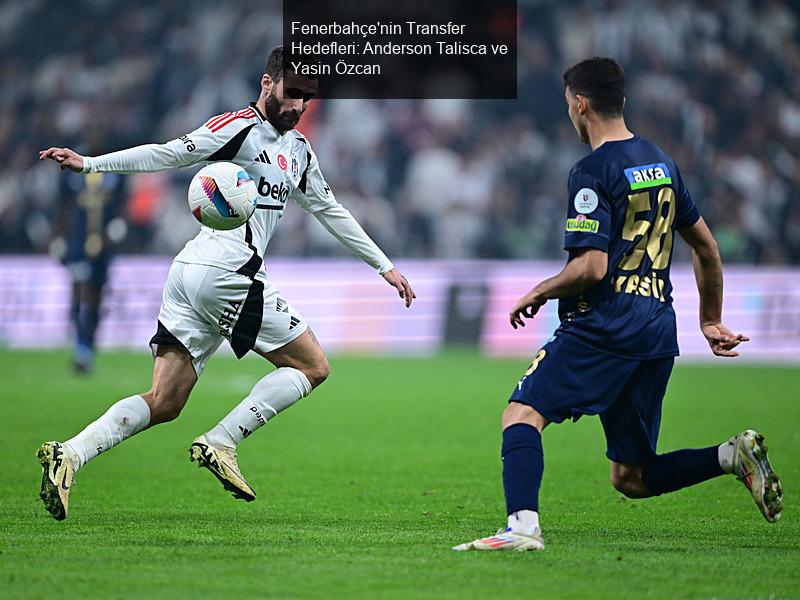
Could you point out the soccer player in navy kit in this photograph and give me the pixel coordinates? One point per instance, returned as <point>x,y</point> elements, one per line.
<point>614,349</point>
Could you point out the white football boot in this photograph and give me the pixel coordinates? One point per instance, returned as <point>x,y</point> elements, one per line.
<point>58,473</point>
<point>222,463</point>
<point>751,467</point>
<point>505,539</point>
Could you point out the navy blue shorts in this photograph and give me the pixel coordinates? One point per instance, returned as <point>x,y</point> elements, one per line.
<point>567,379</point>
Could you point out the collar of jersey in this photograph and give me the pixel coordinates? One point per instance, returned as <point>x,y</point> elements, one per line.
<point>261,117</point>
<point>610,142</point>
<point>265,121</point>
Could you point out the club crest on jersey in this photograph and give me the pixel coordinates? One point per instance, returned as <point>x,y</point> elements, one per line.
<point>282,162</point>
<point>646,176</point>
<point>585,200</point>
<point>295,166</point>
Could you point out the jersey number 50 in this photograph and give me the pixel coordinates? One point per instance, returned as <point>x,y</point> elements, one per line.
<point>661,228</point>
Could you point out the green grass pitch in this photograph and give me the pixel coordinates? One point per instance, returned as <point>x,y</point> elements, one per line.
<point>364,487</point>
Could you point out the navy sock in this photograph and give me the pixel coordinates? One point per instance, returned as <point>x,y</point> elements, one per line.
<point>680,469</point>
<point>523,465</point>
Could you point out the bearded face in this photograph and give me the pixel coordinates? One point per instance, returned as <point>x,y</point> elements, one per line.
<point>288,100</point>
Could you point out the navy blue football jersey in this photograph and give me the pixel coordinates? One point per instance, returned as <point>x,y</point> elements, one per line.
<point>626,198</point>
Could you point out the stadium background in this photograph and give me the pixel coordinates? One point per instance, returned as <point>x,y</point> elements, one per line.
<point>365,486</point>
<point>714,83</point>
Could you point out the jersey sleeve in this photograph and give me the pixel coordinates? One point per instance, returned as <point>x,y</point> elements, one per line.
<point>686,212</point>
<point>314,196</point>
<point>195,147</point>
<point>588,213</point>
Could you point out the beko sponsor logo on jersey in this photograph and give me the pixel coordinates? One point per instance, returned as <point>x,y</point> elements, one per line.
<point>646,176</point>
<point>273,190</point>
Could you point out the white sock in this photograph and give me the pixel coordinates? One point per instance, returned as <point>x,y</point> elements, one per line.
<point>124,419</point>
<point>525,522</point>
<point>273,394</point>
<point>725,455</point>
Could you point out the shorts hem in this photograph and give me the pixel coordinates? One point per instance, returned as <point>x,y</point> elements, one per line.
<point>630,460</point>
<point>545,414</point>
<point>164,337</point>
<point>295,333</point>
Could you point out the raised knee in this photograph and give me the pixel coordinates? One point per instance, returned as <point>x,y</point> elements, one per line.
<point>620,484</point>
<point>628,482</point>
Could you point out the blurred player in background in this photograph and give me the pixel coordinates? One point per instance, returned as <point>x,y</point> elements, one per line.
<point>89,226</point>
<point>613,352</point>
<point>217,287</point>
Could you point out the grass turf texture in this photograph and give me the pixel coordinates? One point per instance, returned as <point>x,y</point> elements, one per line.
<point>365,486</point>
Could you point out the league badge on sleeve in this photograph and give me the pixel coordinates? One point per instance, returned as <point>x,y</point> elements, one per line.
<point>585,200</point>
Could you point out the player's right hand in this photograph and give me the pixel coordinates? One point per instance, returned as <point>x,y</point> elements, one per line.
<point>396,279</point>
<point>65,157</point>
<point>721,339</point>
<point>527,307</point>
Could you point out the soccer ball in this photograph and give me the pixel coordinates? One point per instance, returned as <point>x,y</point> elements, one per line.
<point>222,196</point>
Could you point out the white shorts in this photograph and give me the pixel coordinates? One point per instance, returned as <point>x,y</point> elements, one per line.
<point>202,305</point>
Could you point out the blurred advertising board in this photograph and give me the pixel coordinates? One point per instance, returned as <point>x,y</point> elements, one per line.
<point>460,303</point>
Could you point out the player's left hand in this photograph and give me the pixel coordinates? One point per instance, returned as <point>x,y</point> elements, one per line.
<point>722,340</point>
<point>396,280</point>
<point>527,307</point>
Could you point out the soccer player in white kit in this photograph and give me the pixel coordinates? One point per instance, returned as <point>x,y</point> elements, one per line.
<point>217,288</point>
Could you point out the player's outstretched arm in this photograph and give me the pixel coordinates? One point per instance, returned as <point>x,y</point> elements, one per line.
<point>588,267</point>
<point>185,151</point>
<point>139,159</point>
<point>707,265</point>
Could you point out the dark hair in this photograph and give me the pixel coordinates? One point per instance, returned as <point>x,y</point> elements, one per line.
<point>274,66</point>
<point>602,81</point>
<point>278,62</point>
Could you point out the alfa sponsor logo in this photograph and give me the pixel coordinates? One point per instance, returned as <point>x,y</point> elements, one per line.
<point>583,225</point>
<point>646,176</point>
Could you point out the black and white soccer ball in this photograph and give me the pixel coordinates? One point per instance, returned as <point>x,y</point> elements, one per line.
<point>222,196</point>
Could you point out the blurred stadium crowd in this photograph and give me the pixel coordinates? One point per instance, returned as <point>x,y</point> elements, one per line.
<point>715,83</point>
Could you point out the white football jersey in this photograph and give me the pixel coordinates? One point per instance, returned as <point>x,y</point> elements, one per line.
<point>283,166</point>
